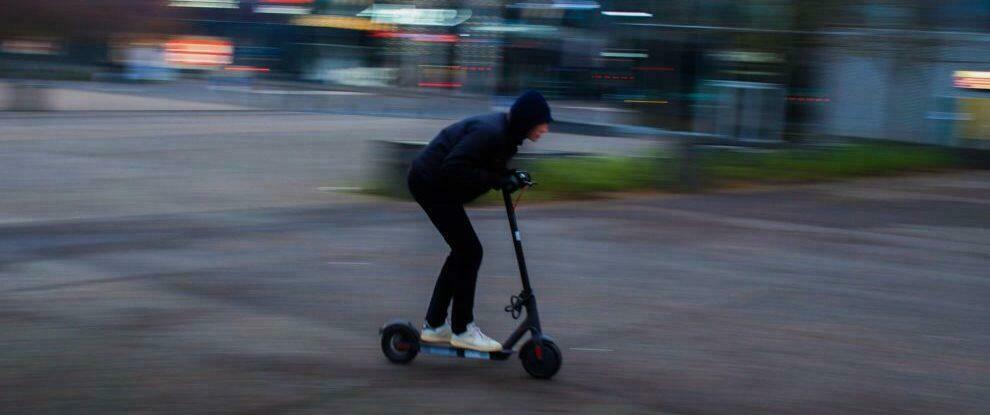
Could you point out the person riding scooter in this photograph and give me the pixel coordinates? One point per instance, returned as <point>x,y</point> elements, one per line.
<point>464,161</point>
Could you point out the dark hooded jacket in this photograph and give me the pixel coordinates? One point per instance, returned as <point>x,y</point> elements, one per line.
<point>468,158</point>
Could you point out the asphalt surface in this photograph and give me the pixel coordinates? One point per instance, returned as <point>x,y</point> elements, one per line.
<point>572,116</point>
<point>189,263</point>
<point>64,165</point>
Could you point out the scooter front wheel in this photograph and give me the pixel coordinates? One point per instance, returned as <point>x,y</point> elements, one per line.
<point>541,362</point>
<point>400,342</point>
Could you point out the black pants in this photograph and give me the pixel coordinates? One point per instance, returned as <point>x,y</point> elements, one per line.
<point>459,274</point>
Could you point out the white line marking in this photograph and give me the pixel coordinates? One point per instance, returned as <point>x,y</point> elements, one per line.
<point>339,189</point>
<point>589,349</point>
<point>348,263</point>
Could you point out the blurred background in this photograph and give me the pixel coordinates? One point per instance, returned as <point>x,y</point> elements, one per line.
<point>744,207</point>
<point>907,70</point>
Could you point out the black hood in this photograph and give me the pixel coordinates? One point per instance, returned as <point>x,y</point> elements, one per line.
<point>529,110</point>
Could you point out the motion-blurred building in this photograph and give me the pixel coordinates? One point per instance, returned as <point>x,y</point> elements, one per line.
<point>912,70</point>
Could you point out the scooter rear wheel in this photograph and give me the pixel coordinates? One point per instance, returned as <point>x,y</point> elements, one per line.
<point>542,362</point>
<point>400,342</point>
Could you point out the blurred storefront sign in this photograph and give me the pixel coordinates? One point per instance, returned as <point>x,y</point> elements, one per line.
<point>972,79</point>
<point>284,6</point>
<point>523,29</point>
<point>557,5</point>
<point>199,52</point>
<point>324,71</point>
<point>418,37</point>
<point>206,4</point>
<point>30,46</point>
<point>750,65</point>
<point>411,16</point>
<point>748,56</point>
<point>342,22</point>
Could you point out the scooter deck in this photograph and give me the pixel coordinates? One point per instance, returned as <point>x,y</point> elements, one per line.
<point>441,349</point>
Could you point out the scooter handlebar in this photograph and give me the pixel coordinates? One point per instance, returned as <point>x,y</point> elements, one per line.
<point>525,178</point>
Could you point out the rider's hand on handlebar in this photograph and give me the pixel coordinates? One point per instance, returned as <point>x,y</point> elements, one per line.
<point>515,180</point>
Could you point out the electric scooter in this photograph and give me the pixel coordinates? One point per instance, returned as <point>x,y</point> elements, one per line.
<point>539,354</point>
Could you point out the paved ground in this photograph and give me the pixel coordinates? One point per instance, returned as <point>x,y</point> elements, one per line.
<point>195,95</point>
<point>148,268</point>
<point>89,164</point>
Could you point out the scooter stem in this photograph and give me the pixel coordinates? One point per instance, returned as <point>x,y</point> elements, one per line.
<point>516,241</point>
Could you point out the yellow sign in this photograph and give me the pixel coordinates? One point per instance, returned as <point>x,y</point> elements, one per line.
<point>972,79</point>
<point>975,124</point>
<point>341,22</point>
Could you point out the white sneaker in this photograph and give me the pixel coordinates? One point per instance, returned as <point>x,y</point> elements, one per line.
<point>474,339</point>
<point>436,335</point>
